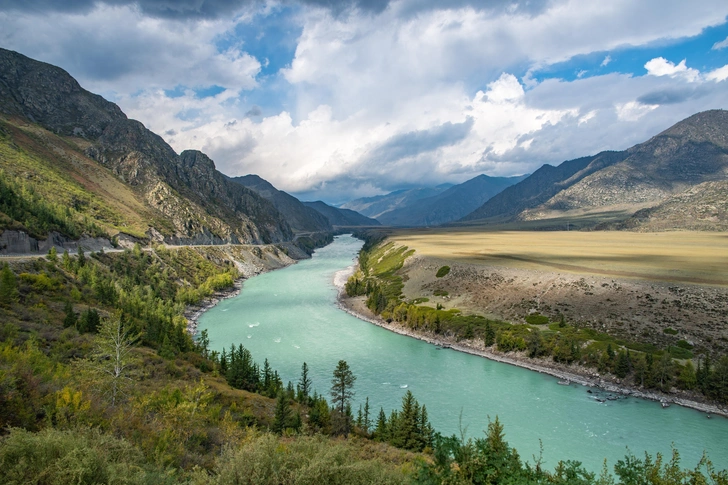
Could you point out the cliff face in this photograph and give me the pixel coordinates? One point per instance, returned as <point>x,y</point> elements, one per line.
<point>197,203</point>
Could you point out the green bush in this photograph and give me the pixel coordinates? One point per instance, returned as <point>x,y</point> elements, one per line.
<point>307,460</point>
<point>59,457</point>
<point>440,293</point>
<point>537,319</point>
<point>670,331</point>
<point>443,271</point>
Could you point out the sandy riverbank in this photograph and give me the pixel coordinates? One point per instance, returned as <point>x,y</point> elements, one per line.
<point>577,375</point>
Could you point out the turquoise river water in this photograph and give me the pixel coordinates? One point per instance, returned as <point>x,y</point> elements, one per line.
<point>290,316</point>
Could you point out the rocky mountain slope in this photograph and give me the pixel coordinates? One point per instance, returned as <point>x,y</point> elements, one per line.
<point>341,217</point>
<point>182,198</point>
<point>300,217</point>
<point>647,177</point>
<point>449,205</point>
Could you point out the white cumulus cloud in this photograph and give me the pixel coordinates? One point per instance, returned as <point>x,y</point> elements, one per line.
<point>660,66</point>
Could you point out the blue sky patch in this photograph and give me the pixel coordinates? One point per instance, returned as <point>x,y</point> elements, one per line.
<point>697,51</point>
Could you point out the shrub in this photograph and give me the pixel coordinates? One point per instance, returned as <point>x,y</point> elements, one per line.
<point>537,319</point>
<point>670,331</point>
<point>443,271</point>
<point>79,456</point>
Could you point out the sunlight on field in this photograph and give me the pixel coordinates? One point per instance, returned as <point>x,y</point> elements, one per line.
<point>690,257</point>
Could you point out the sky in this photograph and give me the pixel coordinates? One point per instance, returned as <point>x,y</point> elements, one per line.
<point>339,99</point>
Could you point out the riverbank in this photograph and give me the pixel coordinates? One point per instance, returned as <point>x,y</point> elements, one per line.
<point>584,376</point>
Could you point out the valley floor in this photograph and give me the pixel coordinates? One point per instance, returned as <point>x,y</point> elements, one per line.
<point>572,373</point>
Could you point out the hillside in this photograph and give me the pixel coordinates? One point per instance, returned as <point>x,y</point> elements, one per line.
<point>450,205</point>
<point>379,205</point>
<point>300,217</point>
<point>341,217</point>
<point>690,153</point>
<point>91,163</point>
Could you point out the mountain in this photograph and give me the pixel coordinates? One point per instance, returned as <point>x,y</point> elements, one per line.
<point>379,205</point>
<point>450,205</point>
<point>645,177</point>
<point>341,217</point>
<point>112,170</point>
<point>300,217</point>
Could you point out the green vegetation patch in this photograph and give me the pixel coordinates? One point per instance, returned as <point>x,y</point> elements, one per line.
<point>537,319</point>
<point>440,293</point>
<point>670,331</point>
<point>443,271</point>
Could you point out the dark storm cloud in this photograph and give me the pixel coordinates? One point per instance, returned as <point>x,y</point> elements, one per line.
<point>667,96</point>
<point>421,141</point>
<point>178,9</point>
<point>198,9</point>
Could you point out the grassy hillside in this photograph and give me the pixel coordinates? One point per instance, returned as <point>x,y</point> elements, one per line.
<point>49,184</point>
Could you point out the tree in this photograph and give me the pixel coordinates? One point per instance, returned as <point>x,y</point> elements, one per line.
<point>341,386</point>
<point>112,359</point>
<point>366,423</point>
<point>8,286</point>
<point>341,394</point>
<point>53,254</point>
<point>283,413</point>
<point>71,318</point>
<point>304,385</point>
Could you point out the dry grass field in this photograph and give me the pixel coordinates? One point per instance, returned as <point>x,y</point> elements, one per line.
<point>647,287</point>
<point>688,257</point>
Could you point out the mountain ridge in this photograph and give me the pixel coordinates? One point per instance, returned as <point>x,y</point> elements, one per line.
<point>200,204</point>
<point>684,156</point>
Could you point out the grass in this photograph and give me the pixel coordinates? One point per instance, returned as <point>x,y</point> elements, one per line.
<point>686,257</point>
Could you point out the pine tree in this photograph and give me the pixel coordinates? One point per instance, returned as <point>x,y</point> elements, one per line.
<point>71,318</point>
<point>366,422</point>
<point>304,385</point>
<point>381,432</point>
<point>341,386</point>
<point>8,286</point>
<point>282,413</point>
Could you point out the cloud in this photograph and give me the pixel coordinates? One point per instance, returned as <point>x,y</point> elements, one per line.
<point>720,74</point>
<point>720,45</point>
<point>430,89</point>
<point>118,50</point>
<point>253,112</point>
<point>660,66</point>
<point>413,143</point>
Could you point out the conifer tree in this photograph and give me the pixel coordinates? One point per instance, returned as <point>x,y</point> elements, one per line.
<point>8,286</point>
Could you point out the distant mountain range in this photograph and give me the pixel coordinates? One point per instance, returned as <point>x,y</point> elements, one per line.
<point>72,163</point>
<point>449,205</point>
<point>340,216</point>
<point>379,205</point>
<point>675,180</point>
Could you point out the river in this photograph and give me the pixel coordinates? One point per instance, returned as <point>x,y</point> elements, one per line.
<point>290,316</point>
